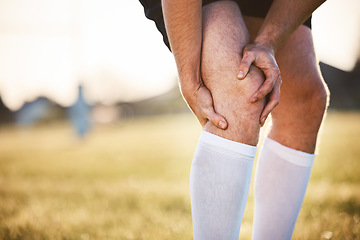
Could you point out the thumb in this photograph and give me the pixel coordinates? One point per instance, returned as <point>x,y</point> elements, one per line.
<point>245,64</point>
<point>218,120</point>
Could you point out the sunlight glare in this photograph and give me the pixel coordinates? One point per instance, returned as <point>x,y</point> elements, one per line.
<point>336,30</point>
<point>48,48</point>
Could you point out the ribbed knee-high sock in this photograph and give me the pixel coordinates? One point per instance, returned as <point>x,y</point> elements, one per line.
<point>281,178</point>
<point>219,185</point>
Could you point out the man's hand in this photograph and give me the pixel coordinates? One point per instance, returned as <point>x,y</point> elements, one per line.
<point>201,103</point>
<point>183,21</point>
<point>262,57</point>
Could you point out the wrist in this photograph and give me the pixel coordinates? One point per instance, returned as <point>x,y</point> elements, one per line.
<point>270,36</point>
<point>189,90</point>
<point>190,81</point>
<point>265,43</point>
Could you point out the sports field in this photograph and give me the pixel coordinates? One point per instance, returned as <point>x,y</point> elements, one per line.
<point>130,180</point>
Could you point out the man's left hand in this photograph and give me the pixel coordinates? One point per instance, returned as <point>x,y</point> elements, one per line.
<point>264,58</point>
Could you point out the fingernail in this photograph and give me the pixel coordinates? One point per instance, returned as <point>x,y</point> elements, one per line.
<point>254,99</point>
<point>263,120</point>
<point>241,74</point>
<point>222,124</point>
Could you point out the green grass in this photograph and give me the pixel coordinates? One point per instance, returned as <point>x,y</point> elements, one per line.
<point>131,181</point>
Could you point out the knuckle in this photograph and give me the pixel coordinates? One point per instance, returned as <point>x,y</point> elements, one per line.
<point>272,83</point>
<point>267,89</point>
<point>261,95</point>
<point>248,54</point>
<point>275,72</point>
<point>276,102</point>
<point>268,84</point>
<point>204,112</point>
<point>268,81</point>
<point>207,112</point>
<point>214,121</point>
<point>245,53</point>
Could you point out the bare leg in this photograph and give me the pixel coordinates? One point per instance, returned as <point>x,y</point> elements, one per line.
<point>221,170</point>
<point>286,158</point>
<point>224,37</point>
<point>304,95</point>
<point>297,119</point>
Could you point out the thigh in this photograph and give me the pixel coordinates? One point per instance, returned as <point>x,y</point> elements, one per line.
<point>297,118</point>
<point>224,37</point>
<point>296,59</point>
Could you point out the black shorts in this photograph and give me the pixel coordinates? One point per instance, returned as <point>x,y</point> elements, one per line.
<point>252,8</point>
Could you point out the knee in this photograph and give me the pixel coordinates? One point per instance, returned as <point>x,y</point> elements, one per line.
<point>231,96</point>
<point>319,97</point>
<point>232,100</point>
<point>314,97</point>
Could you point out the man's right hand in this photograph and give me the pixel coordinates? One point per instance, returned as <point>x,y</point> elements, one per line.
<point>201,103</point>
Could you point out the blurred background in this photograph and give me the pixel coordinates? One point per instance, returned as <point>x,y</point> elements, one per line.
<point>106,58</point>
<point>96,141</point>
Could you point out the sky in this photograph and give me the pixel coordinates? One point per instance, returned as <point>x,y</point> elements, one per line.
<point>336,32</point>
<point>49,47</point>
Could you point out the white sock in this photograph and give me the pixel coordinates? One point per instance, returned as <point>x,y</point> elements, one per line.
<point>281,179</point>
<point>219,185</point>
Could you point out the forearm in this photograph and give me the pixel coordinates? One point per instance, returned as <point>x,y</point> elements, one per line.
<point>184,28</point>
<point>283,18</point>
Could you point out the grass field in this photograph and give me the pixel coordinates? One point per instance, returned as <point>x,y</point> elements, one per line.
<point>131,181</point>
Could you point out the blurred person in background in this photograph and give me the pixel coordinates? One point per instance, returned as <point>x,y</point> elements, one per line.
<point>229,56</point>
